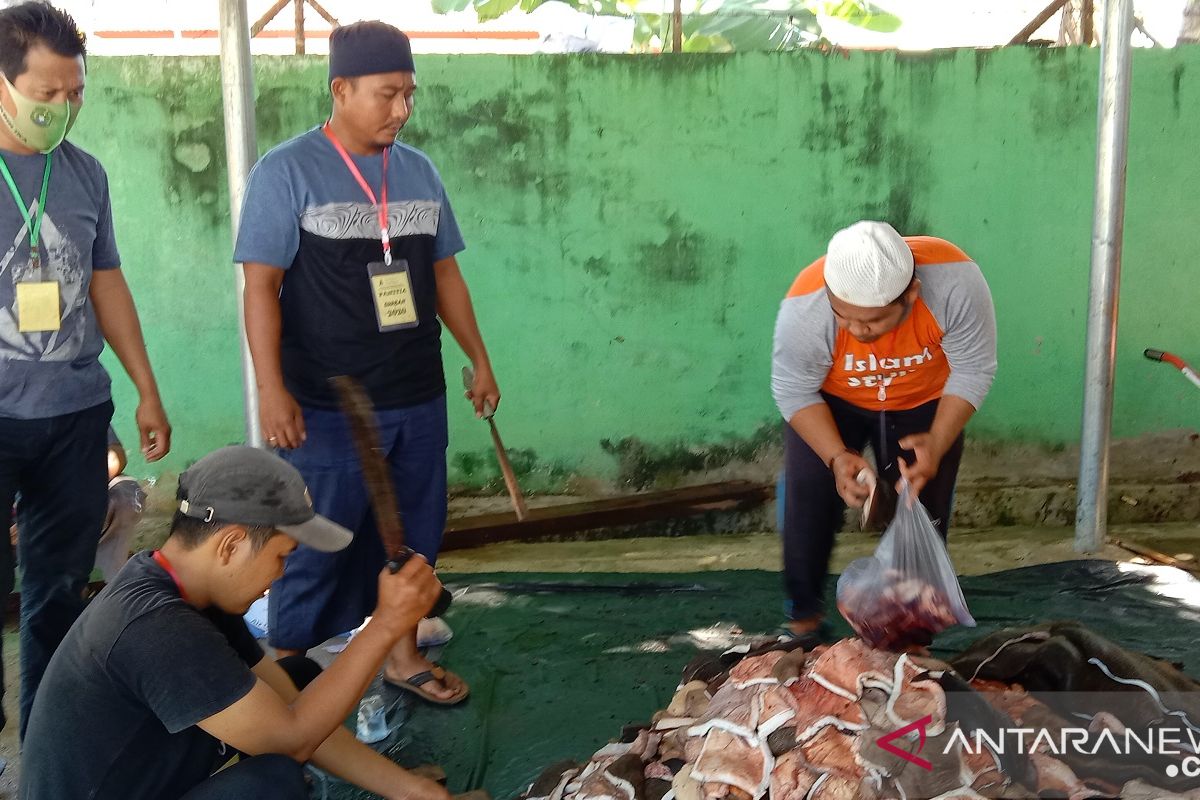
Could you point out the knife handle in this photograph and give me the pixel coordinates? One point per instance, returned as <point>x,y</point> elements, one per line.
<point>397,562</point>
<point>468,375</point>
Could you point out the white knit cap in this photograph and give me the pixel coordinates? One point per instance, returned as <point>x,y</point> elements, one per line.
<point>868,265</point>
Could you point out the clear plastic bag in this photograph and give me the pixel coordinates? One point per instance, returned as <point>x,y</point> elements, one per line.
<point>907,592</point>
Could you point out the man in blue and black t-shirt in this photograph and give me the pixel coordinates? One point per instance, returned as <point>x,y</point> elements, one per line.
<point>348,244</point>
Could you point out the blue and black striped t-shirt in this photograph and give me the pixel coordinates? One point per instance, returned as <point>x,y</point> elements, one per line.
<point>304,212</point>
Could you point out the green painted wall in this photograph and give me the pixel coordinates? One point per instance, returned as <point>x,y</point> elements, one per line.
<point>632,224</point>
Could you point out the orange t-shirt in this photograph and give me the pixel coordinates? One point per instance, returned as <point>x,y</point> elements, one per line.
<point>950,331</point>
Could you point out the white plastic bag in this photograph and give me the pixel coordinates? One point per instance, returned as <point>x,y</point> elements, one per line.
<point>907,592</point>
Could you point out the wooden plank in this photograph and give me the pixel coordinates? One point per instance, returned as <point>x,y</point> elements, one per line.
<point>266,18</point>
<point>332,20</point>
<point>551,521</point>
<point>299,9</point>
<point>677,28</point>
<point>1154,555</point>
<point>211,33</point>
<point>1038,21</point>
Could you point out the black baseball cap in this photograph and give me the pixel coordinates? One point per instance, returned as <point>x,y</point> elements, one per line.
<point>242,485</point>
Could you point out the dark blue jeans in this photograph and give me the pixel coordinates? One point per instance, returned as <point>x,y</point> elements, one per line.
<point>813,510</point>
<point>266,777</point>
<point>59,466</point>
<point>324,594</point>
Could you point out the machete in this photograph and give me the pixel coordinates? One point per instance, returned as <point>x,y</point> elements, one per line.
<point>360,415</point>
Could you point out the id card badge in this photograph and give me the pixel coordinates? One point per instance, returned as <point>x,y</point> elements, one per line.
<point>395,306</point>
<point>38,307</point>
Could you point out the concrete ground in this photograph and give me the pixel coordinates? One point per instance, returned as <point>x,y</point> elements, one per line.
<point>974,552</point>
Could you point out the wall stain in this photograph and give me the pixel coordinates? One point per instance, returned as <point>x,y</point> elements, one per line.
<point>826,94</point>
<point>598,267</point>
<point>922,70</point>
<point>681,258</point>
<point>898,210</point>
<point>641,465</point>
<point>510,142</point>
<point>282,112</point>
<point>192,138</point>
<point>1063,92</point>
<point>1176,85</point>
<point>982,57</point>
<point>686,65</point>
<point>479,470</point>
<point>832,127</point>
<point>873,109</point>
<point>199,127</point>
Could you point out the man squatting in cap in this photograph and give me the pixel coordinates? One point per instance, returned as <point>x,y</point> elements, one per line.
<point>348,243</point>
<point>160,682</point>
<point>886,340</point>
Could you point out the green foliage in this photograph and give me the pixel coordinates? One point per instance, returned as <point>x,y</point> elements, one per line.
<point>711,25</point>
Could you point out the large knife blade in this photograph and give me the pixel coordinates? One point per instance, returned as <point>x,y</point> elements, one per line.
<point>360,416</point>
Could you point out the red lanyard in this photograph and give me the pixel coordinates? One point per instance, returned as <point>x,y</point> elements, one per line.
<point>161,560</point>
<point>381,203</point>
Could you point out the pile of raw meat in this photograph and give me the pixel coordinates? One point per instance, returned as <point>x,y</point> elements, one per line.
<point>777,722</point>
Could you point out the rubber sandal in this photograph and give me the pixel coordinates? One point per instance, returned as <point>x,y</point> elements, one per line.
<point>414,683</point>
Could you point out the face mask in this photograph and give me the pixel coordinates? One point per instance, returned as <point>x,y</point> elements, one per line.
<point>40,126</point>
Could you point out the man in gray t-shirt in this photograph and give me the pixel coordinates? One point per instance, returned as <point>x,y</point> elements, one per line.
<point>62,296</point>
<point>886,340</point>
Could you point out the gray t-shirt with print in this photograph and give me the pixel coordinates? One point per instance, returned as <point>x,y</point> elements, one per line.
<point>50,373</point>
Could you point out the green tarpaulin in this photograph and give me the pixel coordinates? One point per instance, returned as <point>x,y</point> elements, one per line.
<point>558,664</point>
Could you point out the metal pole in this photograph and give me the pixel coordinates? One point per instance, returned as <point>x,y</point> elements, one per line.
<point>1116,55</point>
<point>241,151</point>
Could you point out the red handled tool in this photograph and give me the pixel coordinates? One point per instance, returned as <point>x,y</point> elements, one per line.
<point>1175,361</point>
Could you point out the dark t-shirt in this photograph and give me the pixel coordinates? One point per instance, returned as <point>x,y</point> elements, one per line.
<point>305,213</point>
<point>115,716</point>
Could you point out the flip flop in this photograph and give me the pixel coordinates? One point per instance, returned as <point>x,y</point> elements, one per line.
<point>414,683</point>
